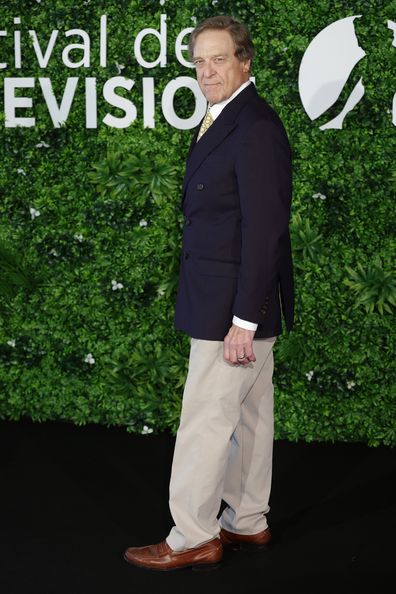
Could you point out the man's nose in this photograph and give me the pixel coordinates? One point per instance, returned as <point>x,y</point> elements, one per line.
<point>208,69</point>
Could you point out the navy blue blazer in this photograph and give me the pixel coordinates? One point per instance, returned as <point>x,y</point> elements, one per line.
<point>236,256</point>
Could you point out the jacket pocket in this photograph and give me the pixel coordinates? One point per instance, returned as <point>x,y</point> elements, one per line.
<point>209,267</point>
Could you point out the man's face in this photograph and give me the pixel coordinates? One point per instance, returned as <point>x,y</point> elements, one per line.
<point>219,72</point>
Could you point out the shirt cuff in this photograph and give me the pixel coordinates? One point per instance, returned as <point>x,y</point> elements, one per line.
<point>244,324</point>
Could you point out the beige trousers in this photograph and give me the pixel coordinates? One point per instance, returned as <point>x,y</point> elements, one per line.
<point>223,446</point>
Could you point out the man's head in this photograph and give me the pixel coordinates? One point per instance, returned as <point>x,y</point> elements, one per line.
<point>222,51</point>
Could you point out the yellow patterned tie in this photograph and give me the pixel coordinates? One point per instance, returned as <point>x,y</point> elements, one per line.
<point>208,121</point>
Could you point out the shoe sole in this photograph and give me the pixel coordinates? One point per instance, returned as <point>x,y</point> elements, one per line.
<point>193,567</point>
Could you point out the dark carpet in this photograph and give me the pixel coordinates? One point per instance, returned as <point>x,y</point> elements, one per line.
<point>73,498</point>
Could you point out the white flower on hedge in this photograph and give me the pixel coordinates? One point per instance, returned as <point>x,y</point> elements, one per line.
<point>160,291</point>
<point>42,144</point>
<point>53,252</point>
<point>89,359</point>
<point>214,2</point>
<point>350,384</point>
<point>34,213</point>
<point>142,223</point>
<point>319,195</point>
<point>78,236</point>
<point>146,430</point>
<point>162,2</point>
<point>194,19</point>
<point>11,342</point>
<point>285,48</point>
<point>116,286</point>
<point>119,67</point>
<point>21,171</point>
<point>309,375</point>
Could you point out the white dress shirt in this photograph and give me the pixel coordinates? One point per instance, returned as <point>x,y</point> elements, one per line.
<point>215,111</point>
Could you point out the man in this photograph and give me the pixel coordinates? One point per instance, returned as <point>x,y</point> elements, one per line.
<point>235,276</point>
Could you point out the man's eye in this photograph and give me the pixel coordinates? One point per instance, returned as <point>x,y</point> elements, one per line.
<point>219,60</point>
<point>198,63</point>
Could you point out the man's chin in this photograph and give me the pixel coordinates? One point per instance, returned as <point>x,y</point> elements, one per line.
<point>213,98</point>
<point>212,93</point>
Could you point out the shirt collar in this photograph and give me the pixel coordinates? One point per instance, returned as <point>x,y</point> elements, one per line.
<point>217,108</point>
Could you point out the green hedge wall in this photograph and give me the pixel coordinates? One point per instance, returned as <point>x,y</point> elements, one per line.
<point>87,285</point>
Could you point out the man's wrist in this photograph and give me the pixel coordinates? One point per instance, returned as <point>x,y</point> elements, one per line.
<point>244,324</point>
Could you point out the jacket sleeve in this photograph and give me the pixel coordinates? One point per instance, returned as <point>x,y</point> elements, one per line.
<point>264,177</point>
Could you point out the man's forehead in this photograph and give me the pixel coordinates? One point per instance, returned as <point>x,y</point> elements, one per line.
<point>214,42</point>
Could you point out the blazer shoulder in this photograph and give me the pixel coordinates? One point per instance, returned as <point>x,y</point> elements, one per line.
<point>259,117</point>
<point>259,109</point>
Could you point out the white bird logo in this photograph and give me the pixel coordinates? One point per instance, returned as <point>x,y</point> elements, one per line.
<point>326,67</point>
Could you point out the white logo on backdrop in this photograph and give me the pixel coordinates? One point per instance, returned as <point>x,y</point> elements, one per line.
<point>326,67</point>
<point>117,91</point>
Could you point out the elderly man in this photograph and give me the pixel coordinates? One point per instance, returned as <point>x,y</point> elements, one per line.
<point>235,283</point>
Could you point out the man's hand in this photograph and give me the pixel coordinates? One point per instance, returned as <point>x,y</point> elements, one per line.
<point>238,346</point>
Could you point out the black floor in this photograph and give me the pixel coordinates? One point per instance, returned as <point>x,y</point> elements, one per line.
<point>73,498</point>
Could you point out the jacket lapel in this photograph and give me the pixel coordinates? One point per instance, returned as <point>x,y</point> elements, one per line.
<point>223,125</point>
<point>194,139</point>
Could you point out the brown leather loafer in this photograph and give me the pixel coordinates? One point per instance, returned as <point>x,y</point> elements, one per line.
<point>255,542</point>
<point>161,557</point>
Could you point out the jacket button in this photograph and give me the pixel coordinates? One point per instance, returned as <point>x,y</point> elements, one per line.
<point>200,186</point>
<point>188,221</point>
<point>186,255</point>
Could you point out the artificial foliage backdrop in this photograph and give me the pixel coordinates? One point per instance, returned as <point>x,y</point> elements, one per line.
<point>90,227</point>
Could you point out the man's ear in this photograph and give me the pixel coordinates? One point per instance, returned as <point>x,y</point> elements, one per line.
<point>246,66</point>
